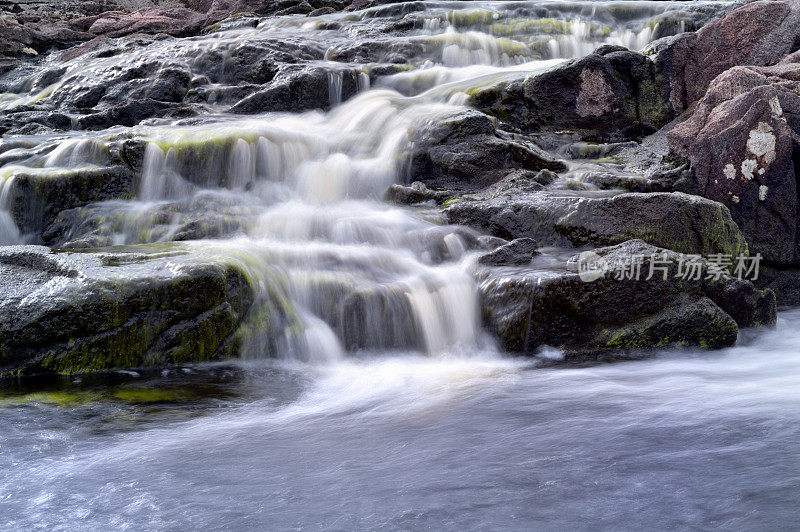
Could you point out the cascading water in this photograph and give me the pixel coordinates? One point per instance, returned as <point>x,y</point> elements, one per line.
<point>388,408</point>
<point>305,189</point>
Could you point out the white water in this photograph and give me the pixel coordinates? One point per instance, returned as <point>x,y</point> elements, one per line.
<point>441,432</point>
<point>306,189</point>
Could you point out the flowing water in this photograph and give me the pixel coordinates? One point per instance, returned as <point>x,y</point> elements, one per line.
<point>415,421</point>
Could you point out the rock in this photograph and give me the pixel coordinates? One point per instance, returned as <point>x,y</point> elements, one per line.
<point>302,90</point>
<point>744,154</point>
<point>516,252</point>
<point>80,312</point>
<point>611,94</point>
<point>680,222</point>
<point>36,198</point>
<point>784,282</point>
<point>204,215</point>
<point>527,308</point>
<point>758,33</point>
<point>678,179</point>
<point>466,152</point>
<point>179,22</point>
<point>416,192</point>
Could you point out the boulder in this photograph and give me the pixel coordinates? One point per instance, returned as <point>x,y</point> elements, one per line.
<point>302,89</point>
<point>79,312</point>
<point>680,222</point>
<point>587,317</point>
<point>611,94</point>
<point>514,253</point>
<point>742,142</point>
<point>785,282</point>
<point>466,152</point>
<point>36,197</point>
<point>758,33</point>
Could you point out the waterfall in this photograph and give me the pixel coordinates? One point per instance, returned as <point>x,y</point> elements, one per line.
<point>295,199</point>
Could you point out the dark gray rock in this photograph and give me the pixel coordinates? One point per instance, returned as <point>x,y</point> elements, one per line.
<point>466,152</point>
<point>514,253</point>
<point>611,94</point>
<point>676,221</point>
<point>416,192</point>
<point>301,90</point>
<point>527,308</point>
<point>76,313</point>
<point>784,282</point>
<point>36,198</point>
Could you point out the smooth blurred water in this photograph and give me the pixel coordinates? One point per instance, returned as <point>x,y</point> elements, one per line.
<point>444,434</point>
<point>683,440</point>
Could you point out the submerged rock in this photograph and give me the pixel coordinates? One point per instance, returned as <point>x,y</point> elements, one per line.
<point>587,317</point>
<point>676,221</point>
<point>79,312</point>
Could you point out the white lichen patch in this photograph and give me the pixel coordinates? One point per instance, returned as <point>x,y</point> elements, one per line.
<point>762,192</point>
<point>748,167</point>
<point>729,171</point>
<point>762,142</point>
<point>735,199</point>
<point>775,106</point>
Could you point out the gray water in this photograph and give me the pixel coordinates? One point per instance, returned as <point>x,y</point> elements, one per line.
<point>683,440</point>
<point>448,435</point>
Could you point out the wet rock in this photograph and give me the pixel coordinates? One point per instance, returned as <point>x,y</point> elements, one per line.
<point>742,143</point>
<point>176,21</point>
<point>784,282</point>
<point>36,197</point>
<point>680,222</point>
<point>527,308</point>
<point>302,90</point>
<point>80,312</point>
<point>205,215</point>
<point>611,94</point>
<point>758,33</point>
<point>416,192</point>
<point>465,152</point>
<point>130,114</point>
<point>366,317</point>
<point>516,252</point>
<point>677,179</point>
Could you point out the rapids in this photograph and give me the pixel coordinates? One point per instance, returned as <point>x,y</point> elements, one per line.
<point>441,431</point>
<point>305,189</point>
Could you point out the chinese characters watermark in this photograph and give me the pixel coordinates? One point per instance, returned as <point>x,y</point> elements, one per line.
<point>592,266</point>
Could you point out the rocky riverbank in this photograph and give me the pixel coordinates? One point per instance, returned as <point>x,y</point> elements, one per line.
<point>138,145</point>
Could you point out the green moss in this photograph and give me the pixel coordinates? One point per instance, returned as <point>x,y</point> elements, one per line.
<point>472,17</point>
<point>153,395</point>
<point>67,399</point>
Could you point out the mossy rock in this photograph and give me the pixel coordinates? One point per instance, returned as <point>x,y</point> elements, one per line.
<point>134,307</point>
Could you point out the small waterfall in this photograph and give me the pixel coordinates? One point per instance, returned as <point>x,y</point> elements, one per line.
<point>9,233</point>
<point>335,80</point>
<point>295,199</point>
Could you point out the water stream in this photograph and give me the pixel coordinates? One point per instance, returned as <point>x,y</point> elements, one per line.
<point>442,431</point>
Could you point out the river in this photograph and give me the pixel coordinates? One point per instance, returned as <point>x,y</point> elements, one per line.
<point>428,427</point>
